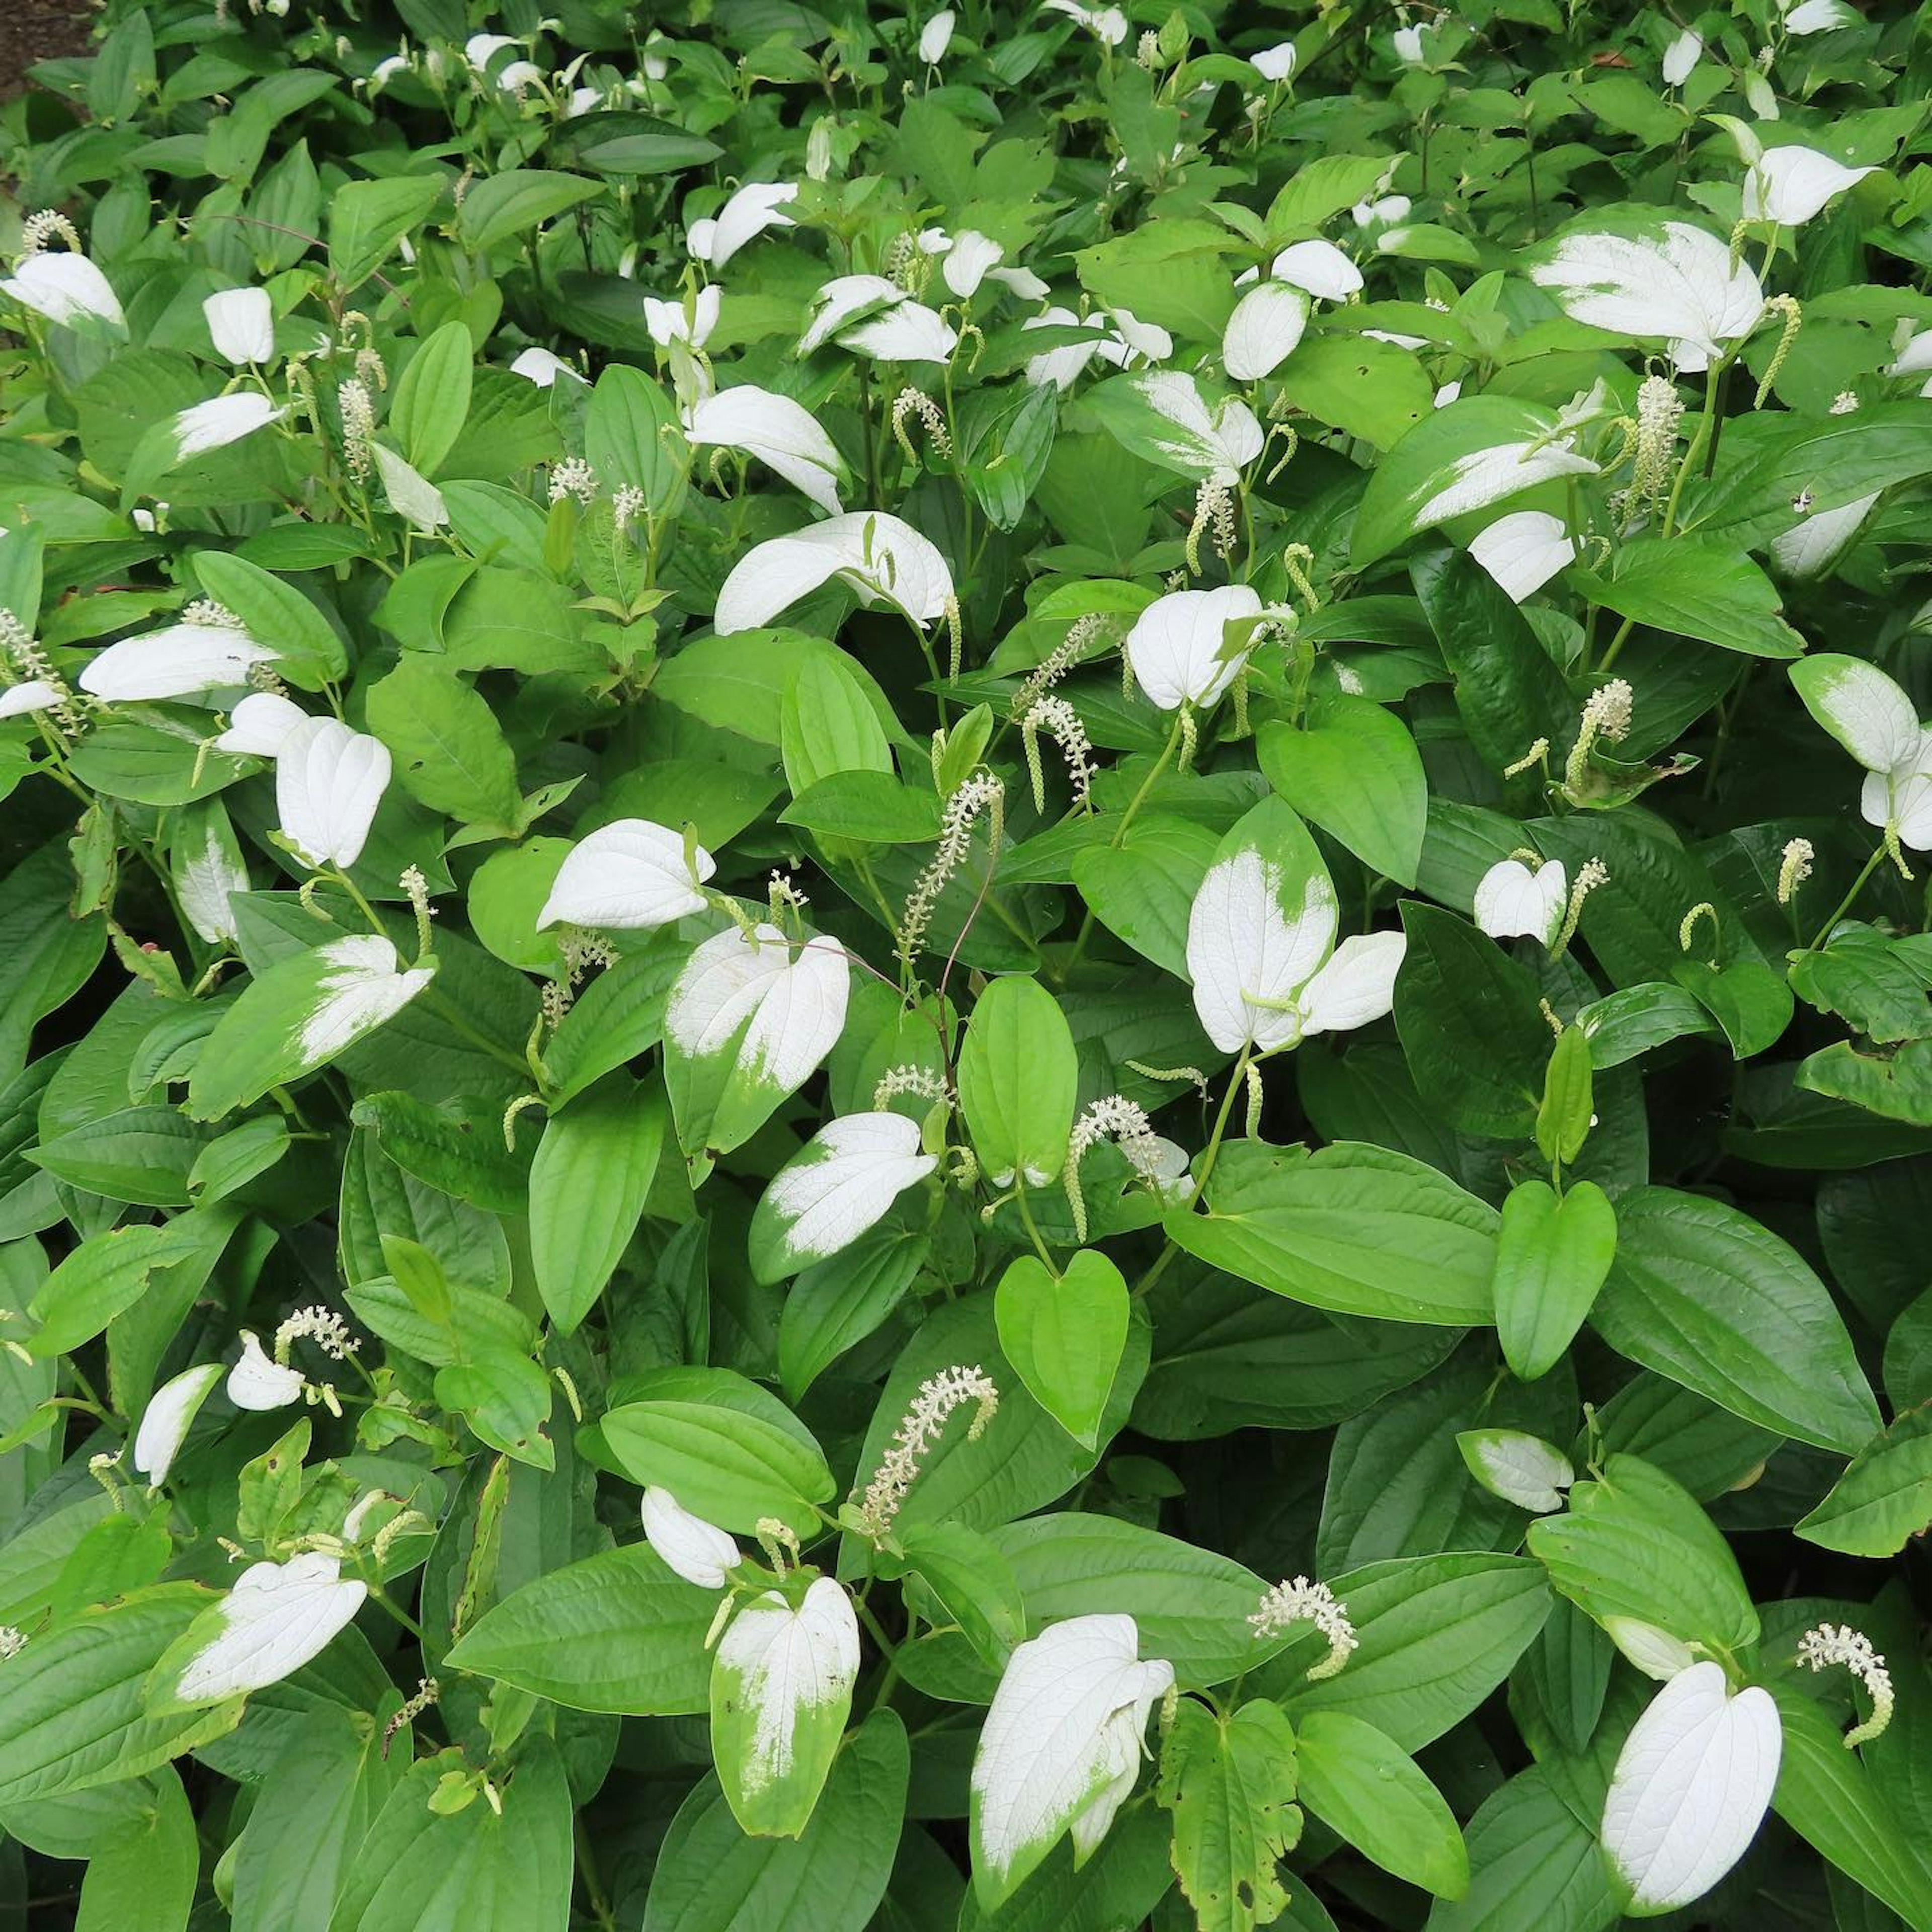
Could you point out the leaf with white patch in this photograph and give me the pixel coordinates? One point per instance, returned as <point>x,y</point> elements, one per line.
<point>1179,649</point>
<point>278,1617</point>
<point>748,1022</point>
<point>782,434</point>
<point>328,782</point>
<point>781,1692</point>
<point>1814,543</point>
<point>168,1416</point>
<point>1512,900</point>
<point>1521,1468</point>
<point>298,1015</point>
<point>1866,711</point>
<point>1262,332</point>
<point>411,495</point>
<point>1523,550</point>
<point>1162,415</point>
<point>205,858</point>
<point>881,556</point>
<point>1691,1786</point>
<point>1060,1749</point>
<point>841,1183</point>
<point>183,661</point>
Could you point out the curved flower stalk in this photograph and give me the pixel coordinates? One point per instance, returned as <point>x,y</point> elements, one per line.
<point>1285,1604</point>
<point>1827,1645</point>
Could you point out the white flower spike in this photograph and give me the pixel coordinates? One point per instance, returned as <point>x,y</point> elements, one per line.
<point>168,1416</point>
<point>183,661</point>
<point>241,325</point>
<point>628,876</point>
<point>881,556</point>
<point>1177,649</point>
<point>328,782</point>
<point>1060,1748</point>
<point>278,1617</point>
<point>1511,899</point>
<point>699,1552</point>
<point>1691,1786</point>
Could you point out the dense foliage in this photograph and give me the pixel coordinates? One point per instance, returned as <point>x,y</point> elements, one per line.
<point>966,970</point>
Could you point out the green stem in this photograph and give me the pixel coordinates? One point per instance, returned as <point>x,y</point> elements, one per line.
<point>593,1886</point>
<point>1033,1229</point>
<point>1845,903</point>
<point>1690,455</point>
<point>1236,1080</point>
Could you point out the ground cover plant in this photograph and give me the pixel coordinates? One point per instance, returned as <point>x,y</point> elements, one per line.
<point>966,970</point>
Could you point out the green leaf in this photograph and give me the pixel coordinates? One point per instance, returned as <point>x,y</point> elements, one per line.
<point>1635,1544</point>
<point>138,1154</point>
<point>146,1872</point>
<point>834,1305</point>
<point>504,1397</point>
<point>588,1185</point>
<point>1885,1498</point>
<point>1564,1119</point>
<point>615,1632</point>
<point>973,1584</point>
<point>1552,1257</point>
<point>1143,888</point>
<point>1354,1229</point>
<point>1534,1866</point>
<point>1354,1780</point>
<point>1376,391</point>
<point>1863,976</point>
<point>1356,772</point>
<point>730,1452</point>
<point>501,207</point>
<point>872,807</point>
<point>827,725</point>
<point>711,1877</point>
<point>46,956</point>
<point>368,218</point>
<point>1692,587</point>
<point>458,1149</point>
<point>450,751</point>
<point>1017,1076</point>
<point>275,613</point>
<point>108,1273</point>
<point>432,398</point>
<point>630,436</point>
<point>1704,1294</point>
<point>1230,1783</point>
<point>1064,1336</point>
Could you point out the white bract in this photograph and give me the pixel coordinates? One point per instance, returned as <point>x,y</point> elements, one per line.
<point>1475,481</point>
<point>241,325</point>
<point>1060,1748</point>
<point>260,724</point>
<point>783,435</point>
<point>1511,899</point>
<point>1520,1468</point>
<point>784,1005</point>
<point>411,495</point>
<point>756,206</point>
<point>206,879</point>
<point>220,421</point>
<point>66,288</point>
<point>1262,332</point>
<point>841,1183</point>
<point>257,1382</point>
<point>845,300</point>
<point>1691,1786</point>
<point>1274,63</point>
<point>1677,283</point>
<point>881,556</point>
<point>23,701</point>
<point>169,1414</point>
<point>1177,647</point>
<point>1680,56</point>
<point>1063,366</point>
<point>542,367</point>
<point>278,1617</point>
<point>935,37</point>
<point>1319,268</point>
<point>1106,23</point>
<point>968,261</point>
<point>328,782</point>
<point>362,985</point>
<point>1819,16</point>
<point>699,1552</point>
<point>1658,1655</point>
<point>691,323</point>
<point>1871,716</point>
<point>181,661</point>
<point>1790,185</point>
<point>783,1667</point>
<point>629,875</point>
<point>1523,551</point>
<point>1261,943</point>
<point>1814,543</point>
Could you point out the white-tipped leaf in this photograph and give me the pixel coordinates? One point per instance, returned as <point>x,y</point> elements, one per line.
<point>1814,543</point>
<point>699,1552</point>
<point>328,782</point>
<point>1060,1748</point>
<point>298,1015</point>
<point>69,289</point>
<point>258,1383</point>
<point>881,556</point>
<point>1658,1655</point>
<point>278,1617</point>
<point>1523,550</point>
<point>183,661</point>
<point>628,876</point>
<point>411,495</point>
<point>844,301</point>
<point>748,1022</point>
<point>783,435</point>
<point>168,1416</point>
<point>1691,1786</point>
<point>909,331</point>
<point>1510,899</point>
<point>1178,648</point>
<point>781,1692</point>
<point>24,700</point>
<point>1520,1468</point>
<point>1263,331</point>
<point>972,257</point>
<point>220,421</point>
<point>839,1184</point>
<point>1672,282</point>
<point>205,858</point>
<point>1161,415</point>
